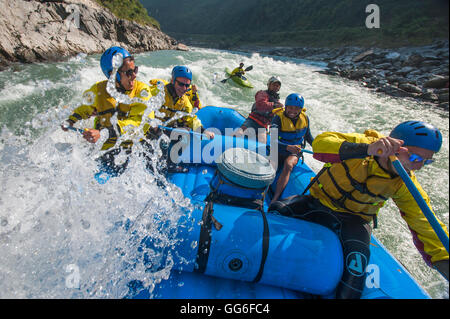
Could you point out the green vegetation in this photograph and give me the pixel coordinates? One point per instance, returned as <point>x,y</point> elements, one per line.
<point>130,10</point>
<point>302,22</point>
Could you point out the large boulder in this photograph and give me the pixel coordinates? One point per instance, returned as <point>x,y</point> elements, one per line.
<point>437,82</point>
<point>362,56</point>
<point>408,87</point>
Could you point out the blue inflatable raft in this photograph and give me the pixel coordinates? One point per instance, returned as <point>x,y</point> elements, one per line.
<point>243,251</point>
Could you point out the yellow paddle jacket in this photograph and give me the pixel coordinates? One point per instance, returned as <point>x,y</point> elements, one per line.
<point>194,98</point>
<point>99,103</point>
<point>353,182</point>
<point>238,70</point>
<point>173,105</point>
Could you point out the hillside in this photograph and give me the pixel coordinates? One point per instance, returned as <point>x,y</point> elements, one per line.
<point>301,22</point>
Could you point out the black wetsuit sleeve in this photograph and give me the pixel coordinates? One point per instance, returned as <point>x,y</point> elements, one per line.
<point>353,150</point>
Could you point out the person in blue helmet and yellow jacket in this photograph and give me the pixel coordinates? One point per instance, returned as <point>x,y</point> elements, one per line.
<point>194,97</point>
<point>177,109</point>
<point>99,103</point>
<point>356,181</point>
<point>293,133</point>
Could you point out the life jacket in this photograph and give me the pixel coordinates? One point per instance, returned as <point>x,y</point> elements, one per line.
<point>173,104</point>
<point>194,98</point>
<point>238,70</point>
<point>262,113</point>
<point>290,133</point>
<point>359,186</point>
<point>370,177</point>
<point>103,106</point>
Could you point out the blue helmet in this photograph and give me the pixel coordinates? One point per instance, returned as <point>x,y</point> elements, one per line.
<point>106,60</point>
<point>419,134</point>
<point>295,100</point>
<point>181,71</point>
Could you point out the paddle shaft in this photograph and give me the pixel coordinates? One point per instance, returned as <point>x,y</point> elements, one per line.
<point>303,149</point>
<point>420,201</point>
<point>182,131</point>
<point>203,135</point>
<point>79,130</point>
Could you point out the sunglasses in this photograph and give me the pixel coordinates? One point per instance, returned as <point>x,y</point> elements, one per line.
<point>186,85</point>
<point>130,72</point>
<point>418,159</point>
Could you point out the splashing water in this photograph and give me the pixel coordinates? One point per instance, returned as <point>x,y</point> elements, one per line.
<point>63,235</point>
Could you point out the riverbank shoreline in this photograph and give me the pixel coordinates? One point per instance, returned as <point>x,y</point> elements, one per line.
<point>418,73</point>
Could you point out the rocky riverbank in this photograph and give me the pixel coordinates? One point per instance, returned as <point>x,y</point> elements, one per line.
<point>420,73</point>
<point>38,31</point>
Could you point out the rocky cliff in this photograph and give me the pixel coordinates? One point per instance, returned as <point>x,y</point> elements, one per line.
<point>35,31</point>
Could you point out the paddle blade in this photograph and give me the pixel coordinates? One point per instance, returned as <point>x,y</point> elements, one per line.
<point>224,80</point>
<point>249,68</point>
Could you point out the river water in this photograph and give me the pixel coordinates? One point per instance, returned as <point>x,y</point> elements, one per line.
<point>63,235</point>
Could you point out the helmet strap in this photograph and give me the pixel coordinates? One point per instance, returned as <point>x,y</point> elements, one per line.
<point>120,87</point>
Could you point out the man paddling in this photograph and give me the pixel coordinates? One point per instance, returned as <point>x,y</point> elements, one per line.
<point>177,101</point>
<point>239,71</point>
<point>99,103</point>
<point>358,178</point>
<point>177,110</point>
<point>293,130</point>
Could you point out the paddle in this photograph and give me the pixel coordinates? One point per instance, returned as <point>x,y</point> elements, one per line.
<point>178,130</point>
<point>79,130</point>
<point>247,69</point>
<point>203,135</point>
<point>420,201</point>
<point>304,150</point>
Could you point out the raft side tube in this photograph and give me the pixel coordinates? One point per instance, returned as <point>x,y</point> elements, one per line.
<point>300,255</point>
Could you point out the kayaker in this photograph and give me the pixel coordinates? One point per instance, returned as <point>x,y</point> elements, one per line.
<point>176,100</point>
<point>293,129</point>
<point>266,102</point>
<point>99,103</point>
<point>358,178</point>
<point>239,71</point>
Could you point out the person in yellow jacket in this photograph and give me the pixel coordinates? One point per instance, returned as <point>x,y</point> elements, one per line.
<point>194,97</point>
<point>239,71</point>
<point>99,103</point>
<point>293,132</point>
<point>357,180</point>
<point>177,109</point>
